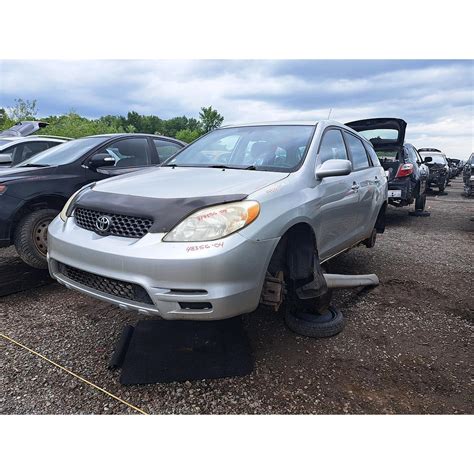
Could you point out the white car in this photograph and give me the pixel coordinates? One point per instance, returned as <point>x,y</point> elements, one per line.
<point>17,144</point>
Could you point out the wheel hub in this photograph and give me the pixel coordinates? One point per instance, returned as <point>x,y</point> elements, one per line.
<point>40,236</point>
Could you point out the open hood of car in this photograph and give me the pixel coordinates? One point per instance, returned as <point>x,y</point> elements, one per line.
<point>23,129</point>
<point>383,133</point>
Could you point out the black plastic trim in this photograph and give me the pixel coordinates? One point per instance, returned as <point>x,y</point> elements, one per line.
<point>165,212</point>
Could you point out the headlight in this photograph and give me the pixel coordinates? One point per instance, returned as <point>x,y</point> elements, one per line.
<point>63,213</point>
<point>214,222</point>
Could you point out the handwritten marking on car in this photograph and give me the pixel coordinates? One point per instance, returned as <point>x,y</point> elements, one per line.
<point>194,248</point>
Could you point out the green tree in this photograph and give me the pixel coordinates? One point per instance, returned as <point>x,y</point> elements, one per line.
<point>210,118</point>
<point>23,110</point>
<point>188,135</point>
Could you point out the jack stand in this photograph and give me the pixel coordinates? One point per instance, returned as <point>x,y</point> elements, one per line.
<point>331,321</point>
<point>350,281</point>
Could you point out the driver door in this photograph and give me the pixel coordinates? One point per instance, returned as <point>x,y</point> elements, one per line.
<point>126,155</point>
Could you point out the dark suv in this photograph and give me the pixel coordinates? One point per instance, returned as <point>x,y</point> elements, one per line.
<point>405,169</point>
<point>468,176</point>
<point>33,192</point>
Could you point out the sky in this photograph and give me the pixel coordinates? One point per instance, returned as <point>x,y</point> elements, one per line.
<point>435,97</point>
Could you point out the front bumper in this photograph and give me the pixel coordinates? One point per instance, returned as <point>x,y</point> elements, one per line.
<point>9,207</point>
<point>438,179</point>
<point>195,281</point>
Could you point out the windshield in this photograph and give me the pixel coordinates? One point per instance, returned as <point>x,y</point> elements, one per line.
<point>63,154</point>
<point>266,148</point>
<point>438,159</point>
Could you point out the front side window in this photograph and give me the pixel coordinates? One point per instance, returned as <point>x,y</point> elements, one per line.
<point>129,152</point>
<point>358,153</point>
<point>165,149</point>
<point>267,148</point>
<point>332,147</point>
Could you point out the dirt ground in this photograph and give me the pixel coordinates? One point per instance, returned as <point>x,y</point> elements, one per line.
<point>405,349</point>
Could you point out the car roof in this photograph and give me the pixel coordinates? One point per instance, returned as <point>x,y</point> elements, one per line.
<point>113,135</point>
<point>312,123</point>
<point>17,140</point>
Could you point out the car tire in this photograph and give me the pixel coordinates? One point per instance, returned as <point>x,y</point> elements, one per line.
<point>441,188</point>
<point>30,237</point>
<point>420,202</point>
<point>328,324</point>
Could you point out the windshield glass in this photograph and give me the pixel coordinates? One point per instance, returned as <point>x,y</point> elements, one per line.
<point>267,148</point>
<point>439,159</point>
<point>63,154</point>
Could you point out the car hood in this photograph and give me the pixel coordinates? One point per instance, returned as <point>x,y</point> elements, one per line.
<point>11,174</point>
<point>182,182</point>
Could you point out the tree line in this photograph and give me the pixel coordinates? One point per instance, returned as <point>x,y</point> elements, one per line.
<point>74,125</point>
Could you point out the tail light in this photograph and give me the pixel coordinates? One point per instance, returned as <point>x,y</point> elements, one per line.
<point>404,170</point>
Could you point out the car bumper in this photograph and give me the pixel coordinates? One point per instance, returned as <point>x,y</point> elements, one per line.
<point>401,190</point>
<point>184,280</point>
<point>437,179</point>
<point>9,207</point>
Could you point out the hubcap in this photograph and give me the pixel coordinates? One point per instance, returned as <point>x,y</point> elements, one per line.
<point>40,236</point>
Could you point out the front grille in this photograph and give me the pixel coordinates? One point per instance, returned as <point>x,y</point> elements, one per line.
<point>121,289</point>
<point>120,225</point>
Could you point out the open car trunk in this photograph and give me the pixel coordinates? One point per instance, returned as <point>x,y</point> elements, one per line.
<point>387,136</point>
<point>23,129</point>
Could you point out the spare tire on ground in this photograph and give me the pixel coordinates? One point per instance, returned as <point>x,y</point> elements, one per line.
<point>326,324</point>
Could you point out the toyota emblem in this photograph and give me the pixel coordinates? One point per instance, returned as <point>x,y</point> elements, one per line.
<point>102,224</point>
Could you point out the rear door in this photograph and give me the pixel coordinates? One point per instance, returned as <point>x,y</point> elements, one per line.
<point>387,136</point>
<point>363,181</point>
<point>164,149</point>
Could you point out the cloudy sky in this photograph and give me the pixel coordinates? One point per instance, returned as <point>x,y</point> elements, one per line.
<point>436,98</point>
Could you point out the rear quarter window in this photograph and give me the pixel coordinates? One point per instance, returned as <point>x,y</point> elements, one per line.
<point>372,155</point>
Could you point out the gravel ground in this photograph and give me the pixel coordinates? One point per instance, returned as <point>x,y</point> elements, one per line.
<point>405,348</point>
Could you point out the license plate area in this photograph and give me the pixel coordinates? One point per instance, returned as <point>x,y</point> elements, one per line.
<point>394,193</point>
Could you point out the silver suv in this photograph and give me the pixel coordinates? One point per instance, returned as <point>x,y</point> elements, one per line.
<point>243,207</point>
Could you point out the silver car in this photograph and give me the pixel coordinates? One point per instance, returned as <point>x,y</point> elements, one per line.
<point>206,234</point>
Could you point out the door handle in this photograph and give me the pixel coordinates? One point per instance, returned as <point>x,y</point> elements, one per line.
<point>355,186</point>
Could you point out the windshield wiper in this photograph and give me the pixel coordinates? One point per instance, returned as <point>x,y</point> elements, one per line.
<point>251,167</point>
<point>31,165</point>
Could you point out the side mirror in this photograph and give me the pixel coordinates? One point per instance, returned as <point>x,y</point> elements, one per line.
<point>100,160</point>
<point>428,159</point>
<point>5,159</point>
<point>334,168</point>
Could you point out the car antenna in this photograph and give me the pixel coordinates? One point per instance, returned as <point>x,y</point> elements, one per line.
<point>329,114</point>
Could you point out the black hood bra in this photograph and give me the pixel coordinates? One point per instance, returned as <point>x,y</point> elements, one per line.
<point>165,212</point>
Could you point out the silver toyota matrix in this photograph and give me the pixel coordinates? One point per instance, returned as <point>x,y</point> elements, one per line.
<point>206,234</point>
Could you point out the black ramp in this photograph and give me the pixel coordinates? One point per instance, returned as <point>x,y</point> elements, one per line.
<point>174,351</point>
<point>16,276</point>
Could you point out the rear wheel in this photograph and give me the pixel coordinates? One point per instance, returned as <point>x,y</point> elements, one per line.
<point>31,237</point>
<point>442,187</point>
